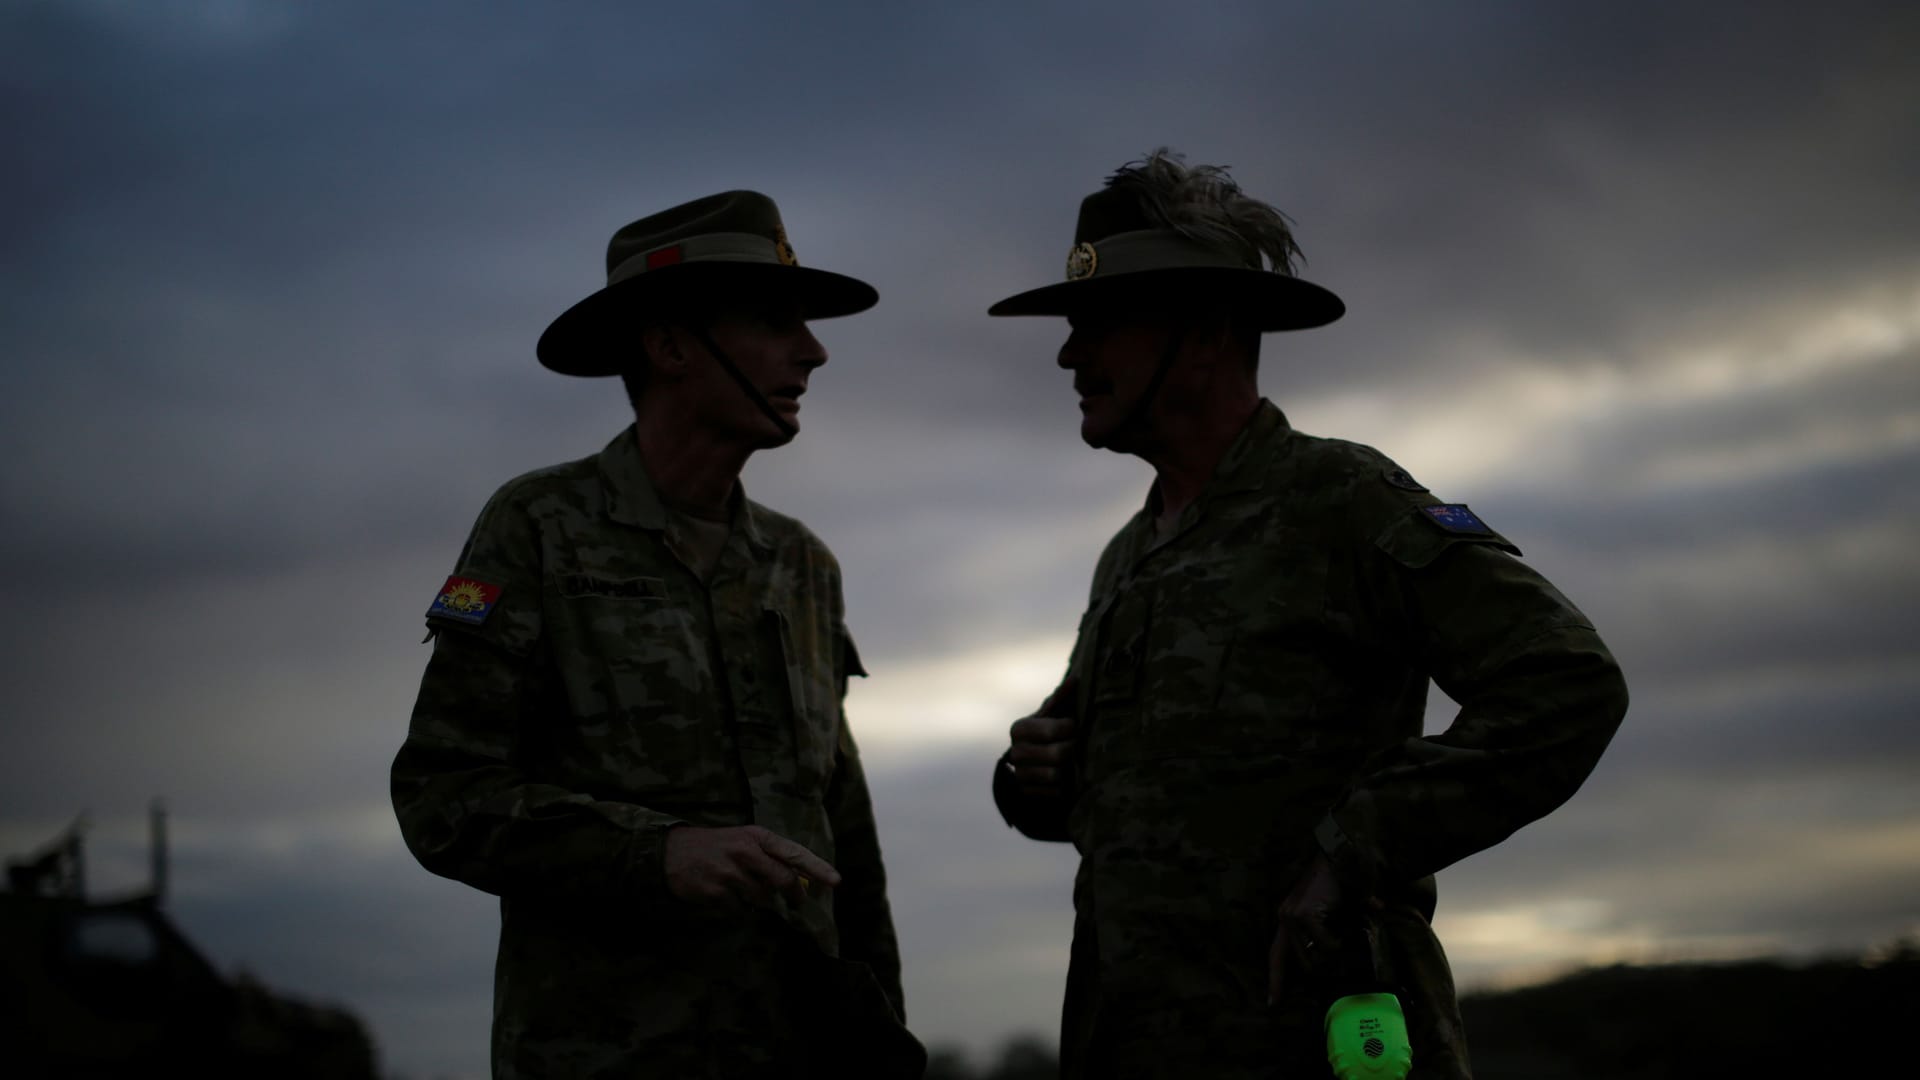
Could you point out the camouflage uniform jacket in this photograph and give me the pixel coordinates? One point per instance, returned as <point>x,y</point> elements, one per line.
<point>1251,690</point>
<point>602,696</point>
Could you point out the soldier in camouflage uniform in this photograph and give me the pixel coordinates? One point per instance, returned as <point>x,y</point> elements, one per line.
<point>630,727</point>
<point>1236,750</point>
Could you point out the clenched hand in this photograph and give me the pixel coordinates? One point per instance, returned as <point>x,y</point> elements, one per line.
<point>1042,744</point>
<point>1305,934</point>
<point>740,866</point>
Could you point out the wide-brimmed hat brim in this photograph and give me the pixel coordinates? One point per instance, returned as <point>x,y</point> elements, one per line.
<point>1272,301</point>
<point>599,335</point>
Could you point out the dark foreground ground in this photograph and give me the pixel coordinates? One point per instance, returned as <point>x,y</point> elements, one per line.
<point>1840,1017</point>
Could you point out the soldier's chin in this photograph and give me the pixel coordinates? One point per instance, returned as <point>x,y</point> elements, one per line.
<point>1094,429</point>
<point>771,437</point>
<point>1098,432</point>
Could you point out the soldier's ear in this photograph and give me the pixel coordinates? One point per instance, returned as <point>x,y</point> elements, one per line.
<point>665,354</point>
<point>1229,333</point>
<point>1211,332</point>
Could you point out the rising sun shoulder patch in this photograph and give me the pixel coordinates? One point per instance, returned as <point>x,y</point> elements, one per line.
<point>465,600</point>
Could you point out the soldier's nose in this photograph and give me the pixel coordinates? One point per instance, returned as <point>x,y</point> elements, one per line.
<point>812,353</point>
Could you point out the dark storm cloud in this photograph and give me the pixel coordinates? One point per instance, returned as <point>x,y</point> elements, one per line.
<point>1551,179</point>
<point>1806,568</point>
<point>354,394</point>
<point>362,232</point>
<point>267,700</point>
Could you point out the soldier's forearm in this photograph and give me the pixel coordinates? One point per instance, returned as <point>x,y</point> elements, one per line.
<point>861,913</point>
<point>864,919</point>
<point>482,823</point>
<point>860,908</point>
<point>868,937</point>
<point>1524,742</point>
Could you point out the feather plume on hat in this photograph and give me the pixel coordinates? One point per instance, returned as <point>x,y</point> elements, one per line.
<point>1204,203</point>
<point>1164,230</point>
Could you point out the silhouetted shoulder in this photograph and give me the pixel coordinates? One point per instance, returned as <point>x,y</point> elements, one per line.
<point>790,533</point>
<point>800,551</point>
<point>574,483</point>
<point>1352,478</point>
<point>1370,498</point>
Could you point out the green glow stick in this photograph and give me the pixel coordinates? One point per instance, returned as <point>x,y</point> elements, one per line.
<point>1366,1031</point>
<point>1367,1038</point>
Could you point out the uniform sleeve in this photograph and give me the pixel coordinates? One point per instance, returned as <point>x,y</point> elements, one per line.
<point>466,806</point>
<point>1540,698</point>
<point>860,908</point>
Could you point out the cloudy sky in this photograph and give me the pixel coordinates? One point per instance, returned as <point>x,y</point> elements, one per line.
<point>1642,285</point>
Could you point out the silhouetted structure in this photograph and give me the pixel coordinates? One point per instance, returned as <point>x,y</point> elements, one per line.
<point>103,989</point>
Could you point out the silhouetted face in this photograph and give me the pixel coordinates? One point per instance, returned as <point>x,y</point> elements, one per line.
<point>770,343</point>
<point>1113,355</point>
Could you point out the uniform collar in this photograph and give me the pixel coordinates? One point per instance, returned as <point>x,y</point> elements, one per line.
<point>633,500</point>
<point>1244,466</point>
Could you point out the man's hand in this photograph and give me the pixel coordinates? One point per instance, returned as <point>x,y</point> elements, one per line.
<point>1304,936</point>
<point>741,866</point>
<point>1042,744</point>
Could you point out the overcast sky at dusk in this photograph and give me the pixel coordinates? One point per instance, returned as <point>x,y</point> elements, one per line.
<point>1642,286</point>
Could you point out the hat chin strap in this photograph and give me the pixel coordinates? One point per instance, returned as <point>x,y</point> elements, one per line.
<point>746,385</point>
<point>1138,414</point>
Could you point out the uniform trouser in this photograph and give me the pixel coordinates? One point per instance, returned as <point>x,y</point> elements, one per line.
<point>1288,1043</point>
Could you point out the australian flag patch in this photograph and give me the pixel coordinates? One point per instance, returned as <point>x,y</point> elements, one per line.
<point>1456,518</point>
<point>465,599</point>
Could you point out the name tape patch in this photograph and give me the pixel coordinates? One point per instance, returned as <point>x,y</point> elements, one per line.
<point>465,600</point>
<point>1456,518</point>
<point>643,588</point>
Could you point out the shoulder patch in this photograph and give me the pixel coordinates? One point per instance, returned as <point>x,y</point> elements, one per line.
<point>1456,518</point>
<point>465,600</point>
<point>1403,479</point>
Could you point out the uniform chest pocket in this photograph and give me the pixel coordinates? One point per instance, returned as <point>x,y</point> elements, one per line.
<point>639,676</point>
<point>807,659</point>
<point>1111,661</point>
<point>1251,640</point>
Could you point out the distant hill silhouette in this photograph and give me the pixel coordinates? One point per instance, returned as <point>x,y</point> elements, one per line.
<point>1758,1018</point>
<point>1762,1018</point>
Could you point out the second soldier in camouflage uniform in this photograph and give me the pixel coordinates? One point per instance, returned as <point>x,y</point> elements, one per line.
<point>630,728</point>
<point>1237,749</point>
